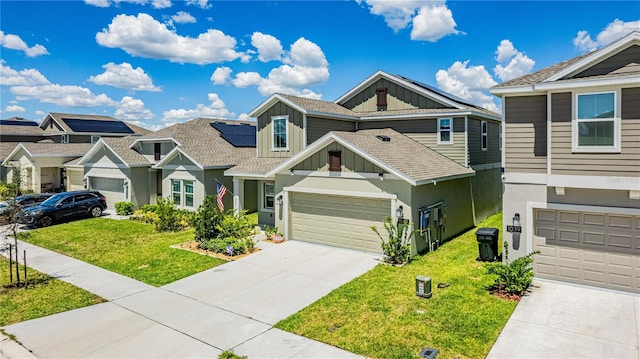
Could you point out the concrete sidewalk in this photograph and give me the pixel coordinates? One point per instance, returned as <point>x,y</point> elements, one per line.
<point>232,306</point>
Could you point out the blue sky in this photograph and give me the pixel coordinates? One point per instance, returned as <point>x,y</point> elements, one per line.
<point>159,62</point>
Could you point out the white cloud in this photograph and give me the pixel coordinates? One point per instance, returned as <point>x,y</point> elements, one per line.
<point>304,65</point>
<point>73,96</point>
<point>397,14</point>
<point>512,63</point>
<point>125,77</point>
<point>614,30</point>
<point>11,77</point>
<point>245,117</point>
<point>161,4</point>
<point>469,83</point>
<point>40,113</point>
<point>156,4</point>
<point>14,42</point>
<point>216,109</point>
<point>143,36</point>
<point>183,17</point>
<point>14,108</point>
<point>131,109</point>
<point>204,4</point>
<point>433,23</point>
<point>221,75</point>
<point>269,47</point>
<point>98,3</point>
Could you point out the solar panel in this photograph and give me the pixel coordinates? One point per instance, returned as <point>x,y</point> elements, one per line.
<point>98,126</point>
<point>18,123</point>
<point>242,135</point>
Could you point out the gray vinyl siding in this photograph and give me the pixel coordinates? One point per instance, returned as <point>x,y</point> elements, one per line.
<point>398,98</point>
<point>295,140</point>
<point>18,138</point>
<point>425,131</point>
<point>138,181</point>
<point>318,127</point>
<point>525,134</point>
<point>624,164</point>
<point>476,155</point>
<point>79,138</point>
<point>351,162</point>
<point>626,58</point>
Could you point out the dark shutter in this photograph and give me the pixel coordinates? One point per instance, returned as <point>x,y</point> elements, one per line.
<point>381,96</point>
<point>156,151</point>
<point>335,161</point>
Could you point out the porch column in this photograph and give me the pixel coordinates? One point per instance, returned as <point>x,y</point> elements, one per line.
<point>238,194</point>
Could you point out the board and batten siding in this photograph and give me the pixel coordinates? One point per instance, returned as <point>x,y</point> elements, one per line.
<point>623,164</point>
<point>295,138</point>
<point>398,98</point>
<point>624,61</point>
<point>525,134</point>
<point>476,155</point>
<point>351,162</point>
<point>425,132</point>
<point>318,127</point>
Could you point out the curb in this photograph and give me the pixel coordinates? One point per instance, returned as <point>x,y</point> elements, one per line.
<point>10,349</point>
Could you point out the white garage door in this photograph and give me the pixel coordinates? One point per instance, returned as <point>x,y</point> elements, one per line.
<point>600,249</point>
<point>112,188</point>
<point>338,220</point>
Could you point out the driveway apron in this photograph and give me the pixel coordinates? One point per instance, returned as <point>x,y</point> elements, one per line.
<point>232,306</point>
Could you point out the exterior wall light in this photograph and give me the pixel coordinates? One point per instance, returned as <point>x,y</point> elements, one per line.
<point>516,220</point>
<point>400,213</point>
<point>279,200</point>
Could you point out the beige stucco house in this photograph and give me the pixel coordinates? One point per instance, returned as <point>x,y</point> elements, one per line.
<point>391,146</point>
<point>572,166</point>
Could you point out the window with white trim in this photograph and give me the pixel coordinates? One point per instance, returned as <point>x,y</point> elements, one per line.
<point>268,195</point>
<point>484,138</point>
<point>280,132</point>
<point>445,131</point>
<point>597,123</point>
<point>182,192</point>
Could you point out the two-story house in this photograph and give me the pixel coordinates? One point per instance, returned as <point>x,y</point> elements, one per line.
<point>182,162</point>
<point>572,166</point>
<point>391,146</point>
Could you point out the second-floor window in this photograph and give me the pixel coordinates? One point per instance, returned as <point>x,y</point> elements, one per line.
<point>445,135</point>
<point>596,122</point>
<point>484,134</point>
<point>280,132</point>
<point>335,161</point>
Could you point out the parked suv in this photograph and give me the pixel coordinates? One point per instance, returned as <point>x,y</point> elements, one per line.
<point>25,201</point>
<point>64,206</point>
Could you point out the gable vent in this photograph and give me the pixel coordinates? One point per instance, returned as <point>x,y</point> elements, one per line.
<point>383,138</point>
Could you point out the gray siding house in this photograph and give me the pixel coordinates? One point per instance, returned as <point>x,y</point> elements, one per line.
<point>572,166</point>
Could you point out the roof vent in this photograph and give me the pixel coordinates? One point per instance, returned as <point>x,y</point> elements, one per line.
<point>383,138</point>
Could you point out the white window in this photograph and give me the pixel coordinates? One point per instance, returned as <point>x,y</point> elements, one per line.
<point>182,192</point>
<point>597,123</point>
<point>94,138</point>
<point>445,131</point>
<point>484,138</point>
<point>268,195</point>
<point>280,133</point>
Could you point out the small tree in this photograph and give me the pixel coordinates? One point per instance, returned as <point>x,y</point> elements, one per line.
<point>206,220</point>
<point>11,214</point>
<point>397,247</point>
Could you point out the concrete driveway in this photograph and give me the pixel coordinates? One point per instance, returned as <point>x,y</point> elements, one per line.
<point>233,306</point>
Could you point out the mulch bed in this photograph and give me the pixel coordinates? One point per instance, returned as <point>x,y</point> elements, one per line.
<point>499,291</point>
<point>192,246</point>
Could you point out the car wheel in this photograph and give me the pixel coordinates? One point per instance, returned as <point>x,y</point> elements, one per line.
<point>45,221</point>
<point>96,212</point>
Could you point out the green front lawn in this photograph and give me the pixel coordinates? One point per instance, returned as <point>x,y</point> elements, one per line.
<point>127,247</point>
<point>378,314</point>
<point>43,296</point>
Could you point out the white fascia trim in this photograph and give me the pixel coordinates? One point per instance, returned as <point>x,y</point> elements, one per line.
<point>486,166</point>
<point>14,152</point>
<point>380,195</point>
<point>218,167</point>
<point>512,90</point>
<point>331,115</point>
<point>106,165</point>
<point>158,139</point>
<point>581,83</point>
<point>351,175</point>
<point>430,116</point>
<point>435,181</point>
<point>249,176</point>
<point>174,152</point>
<point>525,178</point>
<point>181,168</point>
<point>595,182</point>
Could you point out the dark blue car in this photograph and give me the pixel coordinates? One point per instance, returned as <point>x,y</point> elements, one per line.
<point>63,207</point>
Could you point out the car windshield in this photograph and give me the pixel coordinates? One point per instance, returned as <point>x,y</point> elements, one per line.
<point>51,201</point>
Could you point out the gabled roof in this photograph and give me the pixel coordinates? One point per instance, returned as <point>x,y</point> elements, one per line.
<point>561,74</point>
<point>61,120</point>
<point>120,147</point>
<point>306,106</point>
<point>49,149</point>
<point>400,156</point>
<point>20,126</point>
<point>6,148</point>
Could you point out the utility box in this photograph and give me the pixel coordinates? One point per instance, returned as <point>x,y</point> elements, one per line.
<point>423,286</point>
<point>487,244</point>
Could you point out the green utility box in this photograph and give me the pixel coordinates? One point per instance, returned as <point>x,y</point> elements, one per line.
<point>487,244</point>
<point>423,286</point>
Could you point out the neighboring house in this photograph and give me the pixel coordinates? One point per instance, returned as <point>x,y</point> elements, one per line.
<point>572,166</point>
<point>391,146</point>
<point>42,164</point>
<point>181,162</point>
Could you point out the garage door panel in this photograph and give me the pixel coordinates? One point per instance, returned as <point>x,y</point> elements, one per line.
<point>111,188</point>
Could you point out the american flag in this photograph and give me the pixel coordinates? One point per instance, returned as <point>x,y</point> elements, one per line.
<point>221,190</point>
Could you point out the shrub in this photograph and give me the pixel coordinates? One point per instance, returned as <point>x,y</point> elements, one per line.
<point>514,277</point>
<point>229,354</point>
<point>230,246</point>
<point>397,247</point>
<point>124,208</point>
<point>227,232</point>
<point>164,216</point>
<point>206,219</point>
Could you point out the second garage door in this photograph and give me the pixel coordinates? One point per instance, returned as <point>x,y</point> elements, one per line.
<point>339,221</point>
<point>593,248</point>
<point>112,188</point>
